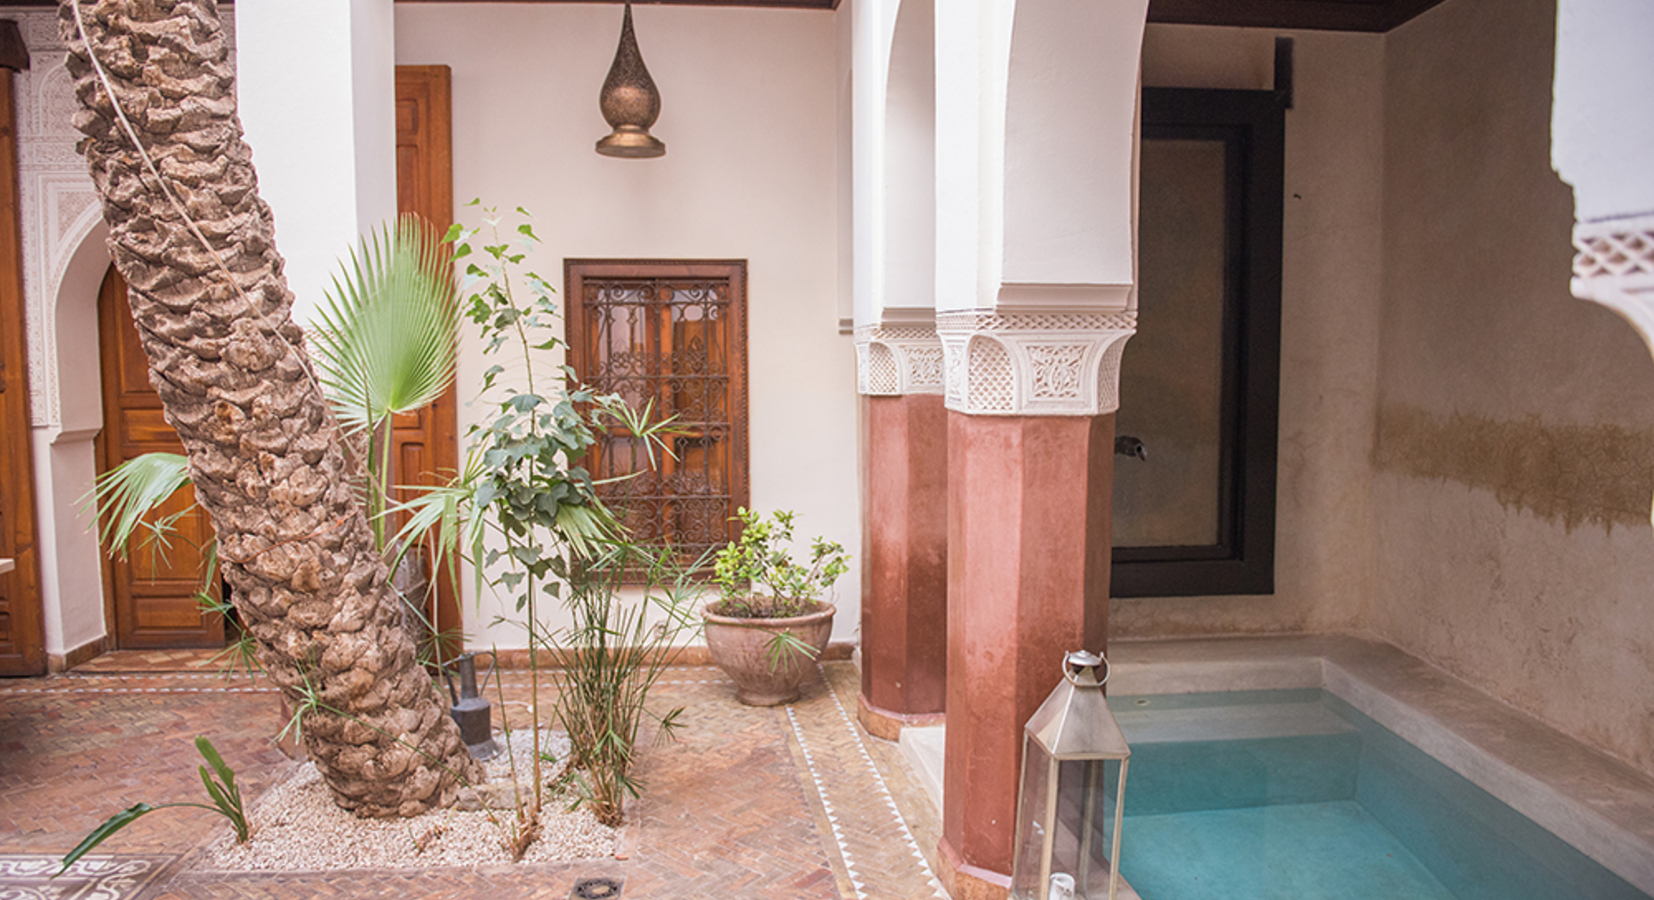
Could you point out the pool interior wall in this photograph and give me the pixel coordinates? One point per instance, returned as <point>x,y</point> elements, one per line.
<point>1295,793</point>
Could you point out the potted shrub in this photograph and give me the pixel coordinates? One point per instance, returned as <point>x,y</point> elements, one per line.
<point>770,622</point>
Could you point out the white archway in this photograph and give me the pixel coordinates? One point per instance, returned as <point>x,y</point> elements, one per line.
<point>909,276</point>
<point>1069,177</point>
<point>1600,134</point>
<point>65,460</point>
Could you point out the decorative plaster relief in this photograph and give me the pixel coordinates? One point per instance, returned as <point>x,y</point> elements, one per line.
<point>898,359</point>
<point>56,195</point>
<point>1055,364</point>
<point>60,205</point>
<point>1614,265</point>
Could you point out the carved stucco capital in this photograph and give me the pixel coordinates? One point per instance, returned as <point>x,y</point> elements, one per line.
<point>1614,265</point>
<point>1029,364</point>
<point>898,359</point>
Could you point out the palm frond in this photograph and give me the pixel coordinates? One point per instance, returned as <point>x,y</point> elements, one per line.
<point>585,528</point>
<point>443,515</point>
<point>124,496</point>
<point>386,335</point>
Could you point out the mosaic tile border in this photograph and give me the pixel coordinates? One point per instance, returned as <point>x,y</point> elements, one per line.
<point>98,877</point>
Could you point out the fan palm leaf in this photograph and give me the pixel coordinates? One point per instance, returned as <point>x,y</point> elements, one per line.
<point>124,497</point>
<point>386,336</point>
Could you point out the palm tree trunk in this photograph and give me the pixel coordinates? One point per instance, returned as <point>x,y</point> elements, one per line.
<point>267,459</point>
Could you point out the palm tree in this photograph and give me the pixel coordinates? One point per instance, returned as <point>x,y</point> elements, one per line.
<point>195,244</point>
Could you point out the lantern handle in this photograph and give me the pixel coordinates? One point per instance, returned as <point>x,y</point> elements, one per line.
<point>1079,660</point>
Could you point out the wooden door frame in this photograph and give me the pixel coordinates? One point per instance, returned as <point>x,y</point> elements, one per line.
<point>17,504</point>
<point>430,88</point>
<point>575,274</point>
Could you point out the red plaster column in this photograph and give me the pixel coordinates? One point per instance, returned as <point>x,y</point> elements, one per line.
<point>904,573</point>
<point>1029,506</point>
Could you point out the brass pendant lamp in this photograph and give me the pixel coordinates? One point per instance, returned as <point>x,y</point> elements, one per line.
<point>630,102</point>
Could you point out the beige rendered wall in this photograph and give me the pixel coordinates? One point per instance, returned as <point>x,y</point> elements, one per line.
<point>1515,445</point>
<point>1330,307</point>
<point>750,117</point>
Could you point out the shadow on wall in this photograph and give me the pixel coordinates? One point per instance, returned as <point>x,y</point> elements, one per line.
<point>1573,474</point>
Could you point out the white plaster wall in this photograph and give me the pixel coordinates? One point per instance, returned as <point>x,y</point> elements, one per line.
<point>373,96</point>
<point>1506,578</point>
<point>65,461</point>
<point>751,117</point>
<point>316,92</point>
<point>1330,302</point>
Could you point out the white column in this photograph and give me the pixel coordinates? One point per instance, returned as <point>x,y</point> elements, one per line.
<point>895,203</point>
<point>968,147</point>
<point>872,24</point>
<point>316,84</point>
<point>1070,144</point>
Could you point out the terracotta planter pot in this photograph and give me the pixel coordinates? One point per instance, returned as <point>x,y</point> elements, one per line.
<point>739,647</point>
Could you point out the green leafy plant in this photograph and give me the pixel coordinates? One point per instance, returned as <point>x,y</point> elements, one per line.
<point>221,789</point>
<point>759,578</point>
<point>125,496</point>
<point>611,656</point>
<point>527,509</point>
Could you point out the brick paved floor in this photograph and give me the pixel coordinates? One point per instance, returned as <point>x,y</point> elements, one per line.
<point>794,802</point>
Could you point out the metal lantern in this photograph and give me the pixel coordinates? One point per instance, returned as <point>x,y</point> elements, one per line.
<point>630,101</point>
<point>1069,807</point>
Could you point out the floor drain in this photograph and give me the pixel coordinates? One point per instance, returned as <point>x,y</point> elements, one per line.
<point>597,889</point>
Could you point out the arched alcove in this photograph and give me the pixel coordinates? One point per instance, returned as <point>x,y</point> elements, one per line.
<point>75,316</point>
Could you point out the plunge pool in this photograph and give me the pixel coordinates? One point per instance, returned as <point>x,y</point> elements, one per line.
<point>1294,794</point>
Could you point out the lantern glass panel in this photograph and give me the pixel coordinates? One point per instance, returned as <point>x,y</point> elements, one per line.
<point>1098,782</point>
<point>1080,825</point>
<point>1034,825</point>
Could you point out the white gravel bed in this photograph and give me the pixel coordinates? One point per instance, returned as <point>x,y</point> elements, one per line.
<point>296,826</point>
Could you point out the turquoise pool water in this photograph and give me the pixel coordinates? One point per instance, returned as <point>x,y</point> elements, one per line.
<point>1295,795</point>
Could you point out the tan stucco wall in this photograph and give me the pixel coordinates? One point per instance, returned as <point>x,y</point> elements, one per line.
<point>1466,451</point>
<point>1515,440</point>
<point>1329,326</point>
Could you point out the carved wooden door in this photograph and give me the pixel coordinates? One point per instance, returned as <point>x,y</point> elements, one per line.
<point>154,588</point>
